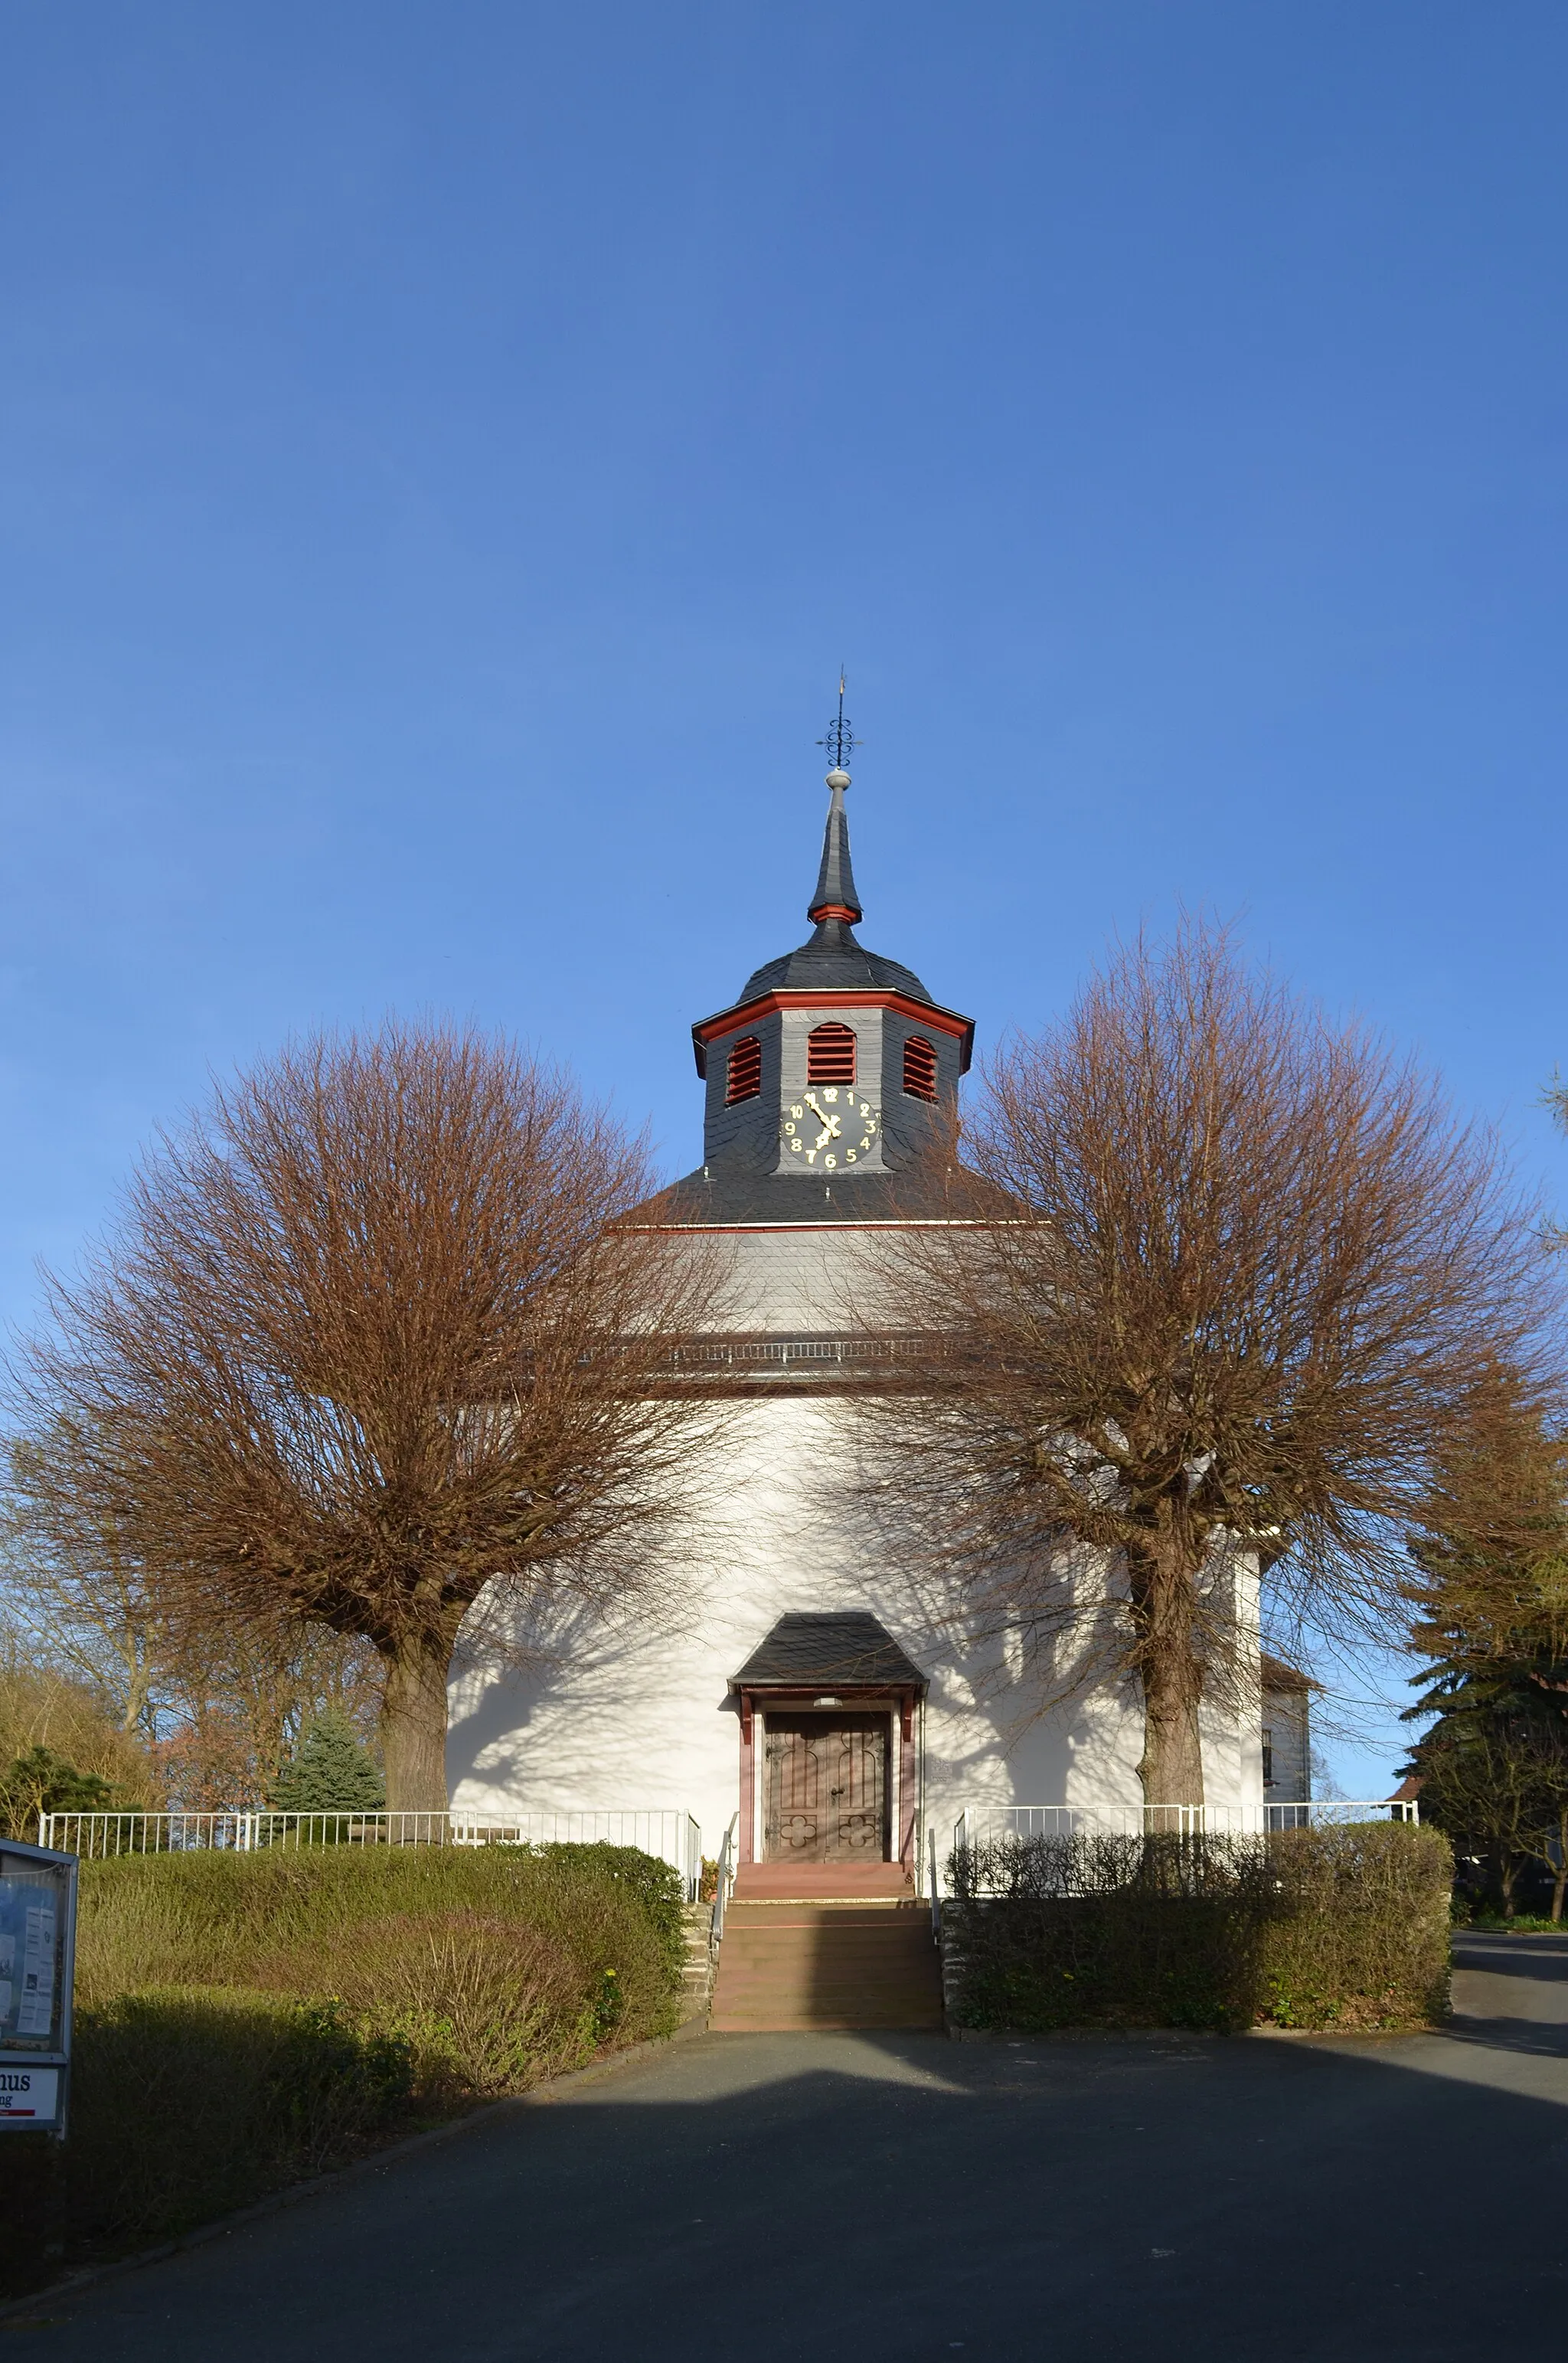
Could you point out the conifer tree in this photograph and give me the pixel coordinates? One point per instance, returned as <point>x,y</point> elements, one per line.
<point>330,1772</point>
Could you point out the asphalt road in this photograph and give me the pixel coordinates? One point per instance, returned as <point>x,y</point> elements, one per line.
<point>1257,2201</point>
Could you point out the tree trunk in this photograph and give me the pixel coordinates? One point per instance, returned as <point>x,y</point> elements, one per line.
<point>1171,1767</point>
<point>413,1727</point>
<point>1508,1870</point>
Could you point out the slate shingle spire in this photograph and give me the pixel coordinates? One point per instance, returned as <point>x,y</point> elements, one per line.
<point>836,897</point>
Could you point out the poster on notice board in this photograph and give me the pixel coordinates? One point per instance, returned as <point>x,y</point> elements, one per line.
<point>38,1917</point>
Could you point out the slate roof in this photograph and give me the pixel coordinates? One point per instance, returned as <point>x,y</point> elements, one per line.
<point>724,1196</point>
<point>814,1652</point>
<point>835,879</point>
<point>831,961</point>
<point>1278,1676</point>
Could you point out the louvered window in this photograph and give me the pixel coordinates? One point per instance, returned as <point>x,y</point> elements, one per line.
<point>830,1055</point>
<point>743,1076</point>
<point>919,1068</point>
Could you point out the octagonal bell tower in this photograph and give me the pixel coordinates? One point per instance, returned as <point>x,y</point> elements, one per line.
<point>833,1079</point>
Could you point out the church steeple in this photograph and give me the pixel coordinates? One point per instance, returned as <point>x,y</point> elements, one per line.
<point>836,896</point>
<point>833,1076</point>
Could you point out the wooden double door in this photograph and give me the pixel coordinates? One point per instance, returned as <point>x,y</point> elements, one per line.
<point>826,1793</point>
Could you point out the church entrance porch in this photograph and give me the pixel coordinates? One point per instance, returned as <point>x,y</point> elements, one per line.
<point>830,1711</point>
<point>825,1788</point>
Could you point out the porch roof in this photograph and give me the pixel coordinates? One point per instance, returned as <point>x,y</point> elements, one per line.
<point>845,1648</point>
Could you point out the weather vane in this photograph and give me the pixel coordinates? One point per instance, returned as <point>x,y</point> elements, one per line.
<point>841,742</point>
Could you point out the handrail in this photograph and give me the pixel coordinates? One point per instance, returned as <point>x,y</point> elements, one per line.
<point>668,1833</point>
<point>725,1881</point>
<point>973,1828</point>
<point>935,1893</point>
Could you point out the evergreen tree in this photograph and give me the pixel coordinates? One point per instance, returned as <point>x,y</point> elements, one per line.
<point>43,1782</point>
<point>1490,1601</point>
<point>330,1772</point>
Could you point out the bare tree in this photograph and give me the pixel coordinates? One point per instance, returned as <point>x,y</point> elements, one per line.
<point>217,1704</point>
<point>78,1594</point>
<point>1219,1281</point>
<point>372,1337</point>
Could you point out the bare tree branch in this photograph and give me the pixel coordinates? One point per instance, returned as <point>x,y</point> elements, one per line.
<point>1222,1279</point>
<point>372,1336</point>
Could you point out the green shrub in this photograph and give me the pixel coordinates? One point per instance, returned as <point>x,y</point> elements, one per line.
<point>209,1918</point>
<point>484,2005</point>
<point>185,2103</point>
<point>1358,1933</point>
<point>243,2020</point>
<point>1310,1928</point>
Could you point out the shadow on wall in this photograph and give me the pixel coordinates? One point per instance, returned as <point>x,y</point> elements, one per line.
<point>564,1698</point>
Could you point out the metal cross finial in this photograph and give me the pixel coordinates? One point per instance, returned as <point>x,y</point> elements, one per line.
<point>841,742</point>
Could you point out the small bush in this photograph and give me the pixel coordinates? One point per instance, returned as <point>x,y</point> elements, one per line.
<point>1311,1928</point>
<point>484,2006</point>
<point>1357,1935</point>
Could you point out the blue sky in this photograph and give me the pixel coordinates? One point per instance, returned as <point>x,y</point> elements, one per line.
<point>447,451</point>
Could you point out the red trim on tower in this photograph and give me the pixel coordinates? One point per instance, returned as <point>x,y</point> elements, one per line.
<point>925,1013</point>
<point>833,910</point>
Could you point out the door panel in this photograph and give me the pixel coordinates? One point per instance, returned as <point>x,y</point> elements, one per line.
<point>826,1788</point>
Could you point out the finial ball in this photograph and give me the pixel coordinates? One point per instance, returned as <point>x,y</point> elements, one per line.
<point>837,779</point>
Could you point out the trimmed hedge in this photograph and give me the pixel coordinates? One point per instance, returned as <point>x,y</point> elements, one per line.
<point>247,2020</point>
<point>1342,1927</point>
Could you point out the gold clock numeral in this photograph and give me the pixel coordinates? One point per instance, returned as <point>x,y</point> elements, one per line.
<point>849,1156</point>
<point>831,1092</point>
<point>830,1162</point>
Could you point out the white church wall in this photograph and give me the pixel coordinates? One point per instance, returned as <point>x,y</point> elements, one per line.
<point>637,1716</point>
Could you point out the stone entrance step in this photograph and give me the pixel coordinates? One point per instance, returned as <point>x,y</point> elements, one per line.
<point>819,1881</point>
<point>792,1966</point>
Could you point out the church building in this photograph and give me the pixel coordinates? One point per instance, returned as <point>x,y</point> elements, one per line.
<point>812,1683</point>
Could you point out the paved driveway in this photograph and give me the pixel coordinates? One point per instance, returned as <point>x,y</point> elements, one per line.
<point>1251,2201</point>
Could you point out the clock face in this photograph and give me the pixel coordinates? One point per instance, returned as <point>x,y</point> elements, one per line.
<point>829,1126</point>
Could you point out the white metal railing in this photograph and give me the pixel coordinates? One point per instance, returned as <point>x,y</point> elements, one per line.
<point>670,1833</point>
<point>974,1829</point>
<point>725,1881</point>
<point>935,1891</point>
